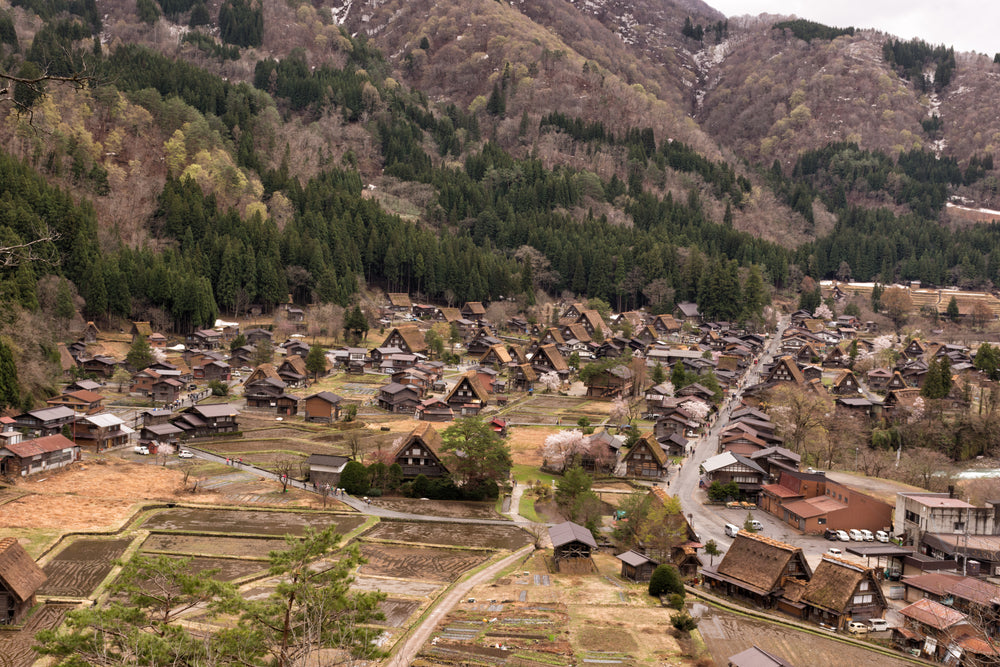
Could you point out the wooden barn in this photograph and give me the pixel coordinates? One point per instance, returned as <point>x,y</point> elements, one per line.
<point>636,566</point>
<point>572,545</point>
<point>20,577</point>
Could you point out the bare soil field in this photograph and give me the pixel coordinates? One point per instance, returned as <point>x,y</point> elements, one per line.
<point>397,611</point>
<point>229,569</point>
<point>396,586</point>
<point>527,443</point>
<point>16,645</point>
<point>727,634</point>
<point>451,534</point>
<point>455,509</point>
<point>247,522</point>
<point>420,563</point>
<point>78,569</point>
<point>213,545</point>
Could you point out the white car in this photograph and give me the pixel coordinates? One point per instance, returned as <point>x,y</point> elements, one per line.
<point>882,536</point>
<point>867,534</point>
<point>843,536</point>
<point>878,624</point>
<point>185,454</point>
<point>856,535</point>
<point>141,449</point>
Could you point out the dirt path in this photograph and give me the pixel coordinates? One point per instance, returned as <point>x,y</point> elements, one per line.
<point>408,651</point>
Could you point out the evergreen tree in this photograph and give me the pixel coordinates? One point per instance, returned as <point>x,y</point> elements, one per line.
<point>148,11</point>
<point>952,310</point>
<point>666,580</point>
<point>658,375</point>
<point>316,361</point>
<point>140,354</point>
<point>10,389</point>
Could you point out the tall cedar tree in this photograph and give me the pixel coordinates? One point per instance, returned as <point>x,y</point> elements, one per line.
<point>476,455</point>
<point>10,389</point>
<point>316,361</point>
<point>140,355</point>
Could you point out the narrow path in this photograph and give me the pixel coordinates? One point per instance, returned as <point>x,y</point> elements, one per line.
<point>408,651</point>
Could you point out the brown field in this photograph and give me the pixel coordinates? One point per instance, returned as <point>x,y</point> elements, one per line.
<point>397,611</point>
<point>727,634</point>
<point>248,522</point>
<point>229,569</point>
<point>78,569</point>
<point>16,645</point>
<point>453,509</point>
<point>456,534</point>
<point>396,586</point>
<point>213,545</point>
<point>421,563</point>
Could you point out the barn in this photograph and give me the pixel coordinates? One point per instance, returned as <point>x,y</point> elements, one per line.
<point>571,547</point>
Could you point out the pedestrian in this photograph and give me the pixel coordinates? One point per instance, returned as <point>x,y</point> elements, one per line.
<point>227,461</point>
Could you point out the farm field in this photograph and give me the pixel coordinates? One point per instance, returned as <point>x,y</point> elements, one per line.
<point>212,545</point>
<point>248,522</point>
<point>450,534</point>
<point>81,566</point>
<point>727,634</point>
<point>16,645</point>
<point>420,563</point>
<point>455,509</point>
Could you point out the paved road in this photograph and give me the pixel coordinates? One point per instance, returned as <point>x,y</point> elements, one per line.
<point>408,651</point>
<point>709,522</point>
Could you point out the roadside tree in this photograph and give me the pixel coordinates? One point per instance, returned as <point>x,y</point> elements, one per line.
<point>476,455</point>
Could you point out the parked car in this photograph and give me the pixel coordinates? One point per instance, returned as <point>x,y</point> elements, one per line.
<point>882,536</point>
<point>756,525</point>
<point>732,529</point>
<point>857,628</point>
<point>830,534</point>
<point>856,535</point>
<point>834,551</point>
<point>141,449</point>
<point>843,536</point>
<point>867,534</point>
<point>185,454</point>
<point>878,624</point>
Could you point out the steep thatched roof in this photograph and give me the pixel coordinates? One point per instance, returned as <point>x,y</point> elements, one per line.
<point>18,572</point>
<point>834,582</point>
<point>425,434</point>
<point>759,561</point>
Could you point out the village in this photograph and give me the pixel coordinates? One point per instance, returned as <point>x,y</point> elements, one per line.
<point>734,451</point>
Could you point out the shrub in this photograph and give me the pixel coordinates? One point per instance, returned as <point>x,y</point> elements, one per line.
<point>354,478</point>
<point>683,622</point>
<point>666,579</point>
<point>676,601</point>
<point>374,492</point>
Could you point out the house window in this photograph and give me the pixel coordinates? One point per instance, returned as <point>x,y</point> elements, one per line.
<point>863,599</point>
<point>863,586</point>
<point>959,525</point>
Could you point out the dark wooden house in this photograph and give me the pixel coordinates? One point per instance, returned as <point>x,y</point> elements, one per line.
<point>322,407</point>
<point>420,453</point>
<point>326,469</point>
<point>636,567</point>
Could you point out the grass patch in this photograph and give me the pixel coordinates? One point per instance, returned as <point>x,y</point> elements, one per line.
<point>526,474</point>
<point>526,508</point>
<point>34,540</point>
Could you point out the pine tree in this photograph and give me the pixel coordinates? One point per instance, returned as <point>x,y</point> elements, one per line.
<point>140,355</point>
<point>952,310</point>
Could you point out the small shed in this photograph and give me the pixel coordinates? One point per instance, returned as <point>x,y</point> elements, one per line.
<point>20,577</point>
<point>636,566</point>
<point>571,542</point>
<point>326,469</point>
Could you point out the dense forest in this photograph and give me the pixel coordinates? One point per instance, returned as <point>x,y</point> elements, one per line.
<point>497,225</point>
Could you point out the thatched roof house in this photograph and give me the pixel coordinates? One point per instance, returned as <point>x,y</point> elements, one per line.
<point>840,590</point>
<point>756,567</point>
<point>20,577</point>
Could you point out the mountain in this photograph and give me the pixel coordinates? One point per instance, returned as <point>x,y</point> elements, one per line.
<point>236,151</point>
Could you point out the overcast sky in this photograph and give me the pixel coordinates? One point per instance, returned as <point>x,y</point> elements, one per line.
<point>968,25</point>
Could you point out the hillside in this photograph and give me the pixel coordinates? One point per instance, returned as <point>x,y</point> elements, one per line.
<point>233,152</point>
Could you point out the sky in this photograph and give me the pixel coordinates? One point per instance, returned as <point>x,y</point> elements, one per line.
<point>968,25</point>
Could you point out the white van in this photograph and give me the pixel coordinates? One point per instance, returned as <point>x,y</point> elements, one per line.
<point>731,530</point>
<point>856,535</point>
<point>756,525</point>
<point>878,624</point>
<point>867,534</point>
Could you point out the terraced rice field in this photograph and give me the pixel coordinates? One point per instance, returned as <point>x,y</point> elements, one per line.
<point>78,569</point>
<point>16,645</point>
<point>420,563</point>
<point>248,522</point>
